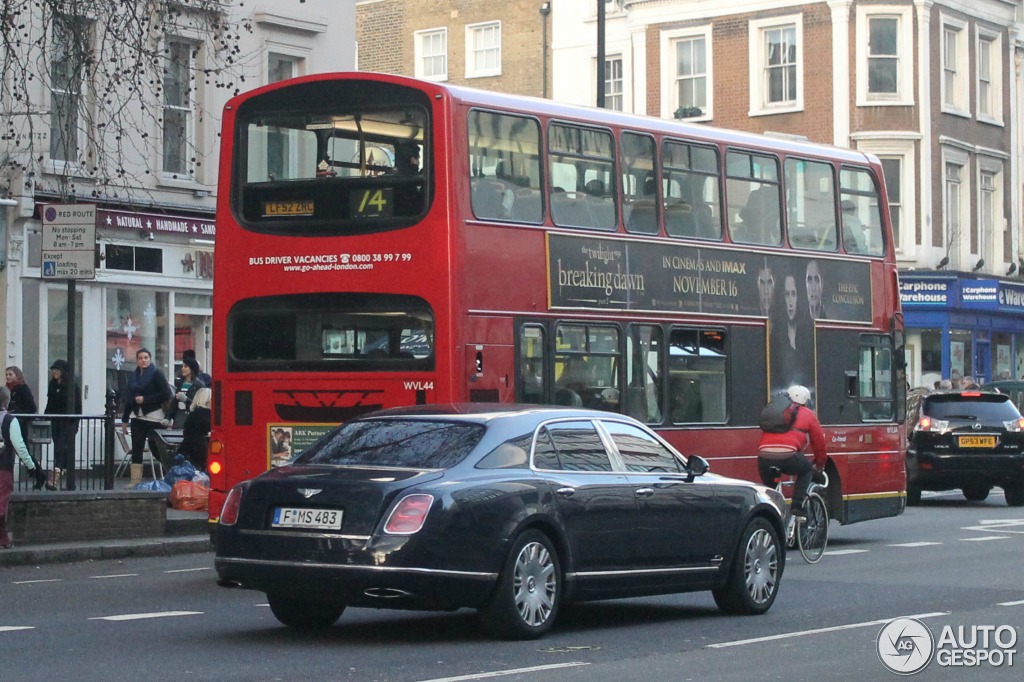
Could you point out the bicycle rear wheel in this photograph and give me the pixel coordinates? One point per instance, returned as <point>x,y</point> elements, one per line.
<point>812,534</point>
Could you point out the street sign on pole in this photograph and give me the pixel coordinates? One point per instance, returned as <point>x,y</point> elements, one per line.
<point>69,241</point>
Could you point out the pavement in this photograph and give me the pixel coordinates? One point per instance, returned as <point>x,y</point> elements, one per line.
<point>187,533</point>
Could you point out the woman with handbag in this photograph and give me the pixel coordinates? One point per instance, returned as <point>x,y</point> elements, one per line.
<point>147,392</point>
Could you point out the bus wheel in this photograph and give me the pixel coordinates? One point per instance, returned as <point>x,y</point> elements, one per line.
<point>302,614</point>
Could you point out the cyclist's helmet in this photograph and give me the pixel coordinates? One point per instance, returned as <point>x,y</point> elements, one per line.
<point>799,394</point>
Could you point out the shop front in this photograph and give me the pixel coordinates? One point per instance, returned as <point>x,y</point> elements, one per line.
<point>962,326</point>
<point>153,289</point>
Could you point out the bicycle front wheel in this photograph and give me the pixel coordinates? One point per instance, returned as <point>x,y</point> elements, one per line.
<point>812,534</point>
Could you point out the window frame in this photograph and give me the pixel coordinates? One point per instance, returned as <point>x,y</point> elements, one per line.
<point>904,149</point>
<point>990,245</point>
<point>989,42</point>
<point>611,80</point>
<point>759,86</point>
<point>904,95</point>
<point>953,244</point>
<point>420,55</point>
<point>473,33</point>
<point>955,96</point>
<point>670,78</point>
<point>75,89</point>
<point>185,108</point>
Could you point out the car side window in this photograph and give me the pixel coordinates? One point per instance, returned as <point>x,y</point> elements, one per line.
<point>640,451</point>
<point>512,454</point>
<point>577,447</point>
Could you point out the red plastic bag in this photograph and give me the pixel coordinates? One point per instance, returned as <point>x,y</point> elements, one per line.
<point>190,496</point>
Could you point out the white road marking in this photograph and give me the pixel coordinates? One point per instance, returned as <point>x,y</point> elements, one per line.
<point>144,616</point>
<point>818,631</point>
<point>999,525</point>
<point>502,673</point>
<point>838,552</point>
<point>915,544</point>
<point>984,537</point>
<point>1011,603</point>
<point>33,582</point>
<point>15,628</point>
<point>118,575</point>
<point>189,570</point>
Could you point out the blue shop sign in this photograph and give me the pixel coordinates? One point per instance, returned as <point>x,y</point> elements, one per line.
<point>1011,297</point>
<point>979,293</point>
<point>926,292</point>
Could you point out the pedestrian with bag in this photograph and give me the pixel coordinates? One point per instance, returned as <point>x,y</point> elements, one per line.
<point>786,431</point>
<point>63,397</point>
<point>23,402</point>
<point>147,392</point>
<point>14,444</point>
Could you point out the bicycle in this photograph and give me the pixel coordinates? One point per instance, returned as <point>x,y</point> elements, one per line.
<point>809,535</point>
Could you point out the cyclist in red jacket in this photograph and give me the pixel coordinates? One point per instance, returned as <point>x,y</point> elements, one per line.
<point>786,450</point>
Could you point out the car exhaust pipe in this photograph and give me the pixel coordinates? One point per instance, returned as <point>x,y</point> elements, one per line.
<point>386,593</point>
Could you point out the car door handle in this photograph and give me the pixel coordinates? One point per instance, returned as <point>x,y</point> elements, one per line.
<point>566,492</point>
<point>645,492</point>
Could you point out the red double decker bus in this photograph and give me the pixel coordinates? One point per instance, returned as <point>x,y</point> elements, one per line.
<point>384,241</point>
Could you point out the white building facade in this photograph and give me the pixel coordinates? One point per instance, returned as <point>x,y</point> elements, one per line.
<point>155,234</point>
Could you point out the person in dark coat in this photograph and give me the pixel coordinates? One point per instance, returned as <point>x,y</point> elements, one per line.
<point>195,437</point>
<point>23,402</point>
<point>61,386</point>
<point>185,387</point>
<point>147,392</point>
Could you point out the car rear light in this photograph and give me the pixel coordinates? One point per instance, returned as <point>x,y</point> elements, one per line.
<point>229,512</point>
<point>929,424</point>
<point>409,515</point>
<point>971,394</point>
<point>1014,425</point>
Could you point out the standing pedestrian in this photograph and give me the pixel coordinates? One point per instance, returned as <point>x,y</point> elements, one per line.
<point>148,390</point>
<point>190,354</point>
<point>23,402</point>
<point>62,386</point>
<point>14,444</point>
<point>195,437</point>
<point>185,387</point>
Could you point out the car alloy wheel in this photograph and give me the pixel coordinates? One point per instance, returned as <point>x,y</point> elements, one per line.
<point>525,601</point>
<point>753,580</point>
<point>761,566</point>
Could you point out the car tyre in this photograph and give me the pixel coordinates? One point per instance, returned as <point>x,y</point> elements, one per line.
<point>1014,495</point>
<point>753,581</point>
<point>913,495</point>
<point>525,601</point>
<point>302,614</point>
<point>975,493</point>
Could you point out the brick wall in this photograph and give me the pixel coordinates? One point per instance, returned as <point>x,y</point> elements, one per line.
<point>86,516</point>
<point>385,31</point>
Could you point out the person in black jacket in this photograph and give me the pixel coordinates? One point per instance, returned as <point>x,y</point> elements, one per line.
<point>13,445</point>
<point>147,392</point>
<point>61,386</point>
<point>185,387</point>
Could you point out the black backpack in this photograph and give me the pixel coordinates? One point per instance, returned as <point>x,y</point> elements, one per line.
<point>779,414</point>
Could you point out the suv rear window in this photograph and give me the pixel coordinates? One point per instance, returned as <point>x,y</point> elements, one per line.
<point>980,408</point>
<point>405,443</point>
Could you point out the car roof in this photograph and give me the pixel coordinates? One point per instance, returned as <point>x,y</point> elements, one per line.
<point>483,412</point>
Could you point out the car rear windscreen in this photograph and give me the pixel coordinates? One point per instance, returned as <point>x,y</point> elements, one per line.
<point>406,443</point>
<point>983,408</point>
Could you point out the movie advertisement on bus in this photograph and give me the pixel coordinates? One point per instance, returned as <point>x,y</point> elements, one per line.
<point>620,274</point>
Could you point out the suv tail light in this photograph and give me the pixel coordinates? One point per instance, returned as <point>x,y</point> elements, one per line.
<point>929,424</point>
<point>1014,424</point>
<point>409,515</point>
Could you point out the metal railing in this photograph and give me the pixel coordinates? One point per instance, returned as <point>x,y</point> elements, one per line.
<point>95,452</point>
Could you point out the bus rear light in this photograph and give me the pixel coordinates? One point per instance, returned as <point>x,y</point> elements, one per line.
<point>214,466</point>
<point>229,512</point>
<point>216,447</point>
<point>409,515</point>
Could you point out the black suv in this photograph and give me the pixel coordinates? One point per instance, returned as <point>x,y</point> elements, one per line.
<point>970,440</point>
